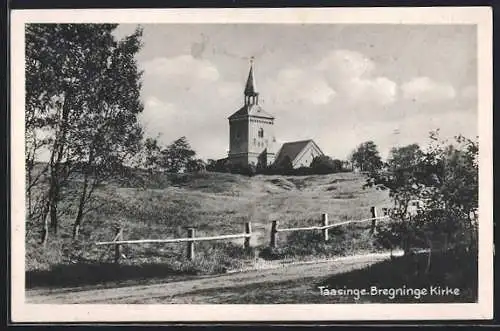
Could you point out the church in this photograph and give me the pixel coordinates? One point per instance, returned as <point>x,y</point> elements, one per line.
<point>252,139</point>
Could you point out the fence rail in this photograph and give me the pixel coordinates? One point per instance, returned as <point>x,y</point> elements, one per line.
<point>174,240</point>
<point>325,225</point>
<point>191,238</point>
<point>333,225</point>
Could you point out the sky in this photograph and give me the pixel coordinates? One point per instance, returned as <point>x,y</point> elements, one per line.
<point>338,84</point>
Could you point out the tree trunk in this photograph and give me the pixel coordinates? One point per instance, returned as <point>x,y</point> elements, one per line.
<point>59,145</point>
<point>30,212</point>
<point>81,205</point>
<point>45,229</point>
<point>406,245</point>
<point>53,200</point>
<point>429,256</point>
<point>76,227</point>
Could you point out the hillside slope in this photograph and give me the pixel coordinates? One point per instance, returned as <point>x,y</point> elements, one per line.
<point>161,205</point>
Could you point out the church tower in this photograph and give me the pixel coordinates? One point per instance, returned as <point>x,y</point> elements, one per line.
<point>251,130</point>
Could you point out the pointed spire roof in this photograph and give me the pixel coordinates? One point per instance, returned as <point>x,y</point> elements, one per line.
<point>250,88</point>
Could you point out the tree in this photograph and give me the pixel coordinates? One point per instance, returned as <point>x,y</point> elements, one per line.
<point>338,165</point>
<point>152,154</point>
<point>366,157</point>
<point>177,155</point>
<point>324,164</point>
<point>211,165</point>
<point>406,157</point>
<point>402,178</point>
<point>284,166</point>
<point>195,165</point>
<point>445,177</point>
<point>84,96</point>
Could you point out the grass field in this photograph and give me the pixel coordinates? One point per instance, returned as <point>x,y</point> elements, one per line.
<point>161,205</point>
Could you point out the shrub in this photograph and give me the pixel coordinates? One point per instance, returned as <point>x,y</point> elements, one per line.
<point>247,170</point>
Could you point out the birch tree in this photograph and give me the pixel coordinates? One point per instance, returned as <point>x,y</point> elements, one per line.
<point>83,89</point>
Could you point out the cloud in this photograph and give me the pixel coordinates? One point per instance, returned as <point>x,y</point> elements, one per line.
<point>157,115</point>
<point>339,101</point>
<point>351,75</point>
<point>229,89</point>
<point>424,89</point>
<point>297,86</point>
<point>341,75</point>
<point>169,121</point>
<point>184,96</point>
<point>182,66</point>
<point>405,131</point>
<point>346,64</point>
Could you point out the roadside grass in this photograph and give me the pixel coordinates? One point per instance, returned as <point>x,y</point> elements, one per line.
<point>343,240</point>
<point>215,258</point>
<point>155,206</point>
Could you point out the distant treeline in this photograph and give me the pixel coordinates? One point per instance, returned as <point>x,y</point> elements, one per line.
<point>320,165</point>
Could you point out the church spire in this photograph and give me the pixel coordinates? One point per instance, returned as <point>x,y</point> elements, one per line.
<point>251,95</point>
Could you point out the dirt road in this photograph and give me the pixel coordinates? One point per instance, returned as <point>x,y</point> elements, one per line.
<point>225,288</point>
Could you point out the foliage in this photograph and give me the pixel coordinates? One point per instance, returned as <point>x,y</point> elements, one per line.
<point>325,165</point>
<point>248,170</point>
<point>443,180</point>
<point>176,156</point>
<point>319,166</point>
<point>82,103</point>
<point>221,165</point>
<point>366,157</point>
<point>285,166</point>
<point>195,165</point>
<point>152,153</point>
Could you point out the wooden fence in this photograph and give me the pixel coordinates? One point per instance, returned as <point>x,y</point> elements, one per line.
<point>190,252</point>
<point>325,225</point>
<point>191,238</point>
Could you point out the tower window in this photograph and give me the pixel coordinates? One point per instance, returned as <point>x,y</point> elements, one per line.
<point>261,133</point>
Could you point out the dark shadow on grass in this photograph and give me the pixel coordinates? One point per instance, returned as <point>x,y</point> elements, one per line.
<point>66,275</point>
<point>454,271</point>
<point>447,270</point>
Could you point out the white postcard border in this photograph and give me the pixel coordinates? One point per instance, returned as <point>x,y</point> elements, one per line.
<point>483,309</point>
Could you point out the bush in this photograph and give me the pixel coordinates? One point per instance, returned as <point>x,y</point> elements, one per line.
<point>248,170</point>
<point>302,171</point>
<point>325,165</point>
<point>221,165</point>
<point>319,166</point>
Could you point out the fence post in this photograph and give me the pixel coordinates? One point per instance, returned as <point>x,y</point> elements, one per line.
<point>274,233</point>
<point>248,231</point>
<point>374,216</point>
<point>324,218</point>
<point>190,244</point>
<point>118,236</point>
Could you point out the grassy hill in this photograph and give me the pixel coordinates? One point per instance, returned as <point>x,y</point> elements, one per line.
<point>153,206</point>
